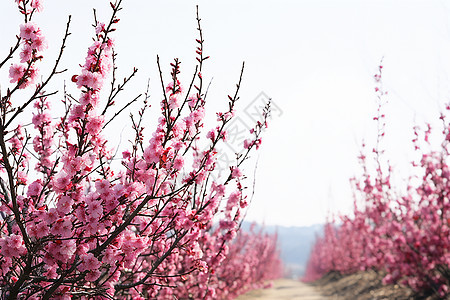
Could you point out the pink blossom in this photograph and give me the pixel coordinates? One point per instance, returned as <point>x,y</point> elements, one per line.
<point>236,172</point>
<point>126,154</point>
<point>95,209</point>
<point>29,78</point>
<point>28,31</point>
<point>102,185</point>
<point>49,216</point>
<point>89,262</point>
<point>169,87</point>
<point>233,200</point>
<point>211,134</point>
<point>174,101</point>
<point>26,54</point>
<point>61,183</point>
<point>100,27</point>
<point>192,101</point>
<point>39,43</point>
<point>62,227</point>
<point>95,124</point>
<point>89,79</point>
<point>40,120</point>
<point>151,153</point>
<point>110,256</point>
<point>178,162</point>
<point>224,135</point>
<point>16,72</point>
<point>220,189</point>
<point>22,178</point>
<point>96,81</point>
<point>228,115</point>
<point>12,246</point>
<point>68,248</point>
<point>39,229</point>
<point>202,266</point>
<point>51,272</point>
<point>34,189</point>
<point>89,97</point>
<point>64,205</point>
<point>37,4</point>
<point>77,112</point>
<point>93,275</point>
<point>198,114</point>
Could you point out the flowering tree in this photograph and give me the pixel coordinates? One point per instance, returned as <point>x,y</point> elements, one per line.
<point>73,225</point>
<point>251,260</point>
<point>404,237</point>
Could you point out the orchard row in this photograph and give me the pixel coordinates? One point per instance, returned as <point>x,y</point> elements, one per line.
<point>403,235</point>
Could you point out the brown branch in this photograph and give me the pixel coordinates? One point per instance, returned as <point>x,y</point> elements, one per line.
<point>11,52</point>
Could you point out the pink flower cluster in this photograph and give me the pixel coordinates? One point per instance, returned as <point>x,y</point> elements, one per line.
<point>33,43</point>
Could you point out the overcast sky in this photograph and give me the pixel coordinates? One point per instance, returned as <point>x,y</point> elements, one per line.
<point>315,59</point>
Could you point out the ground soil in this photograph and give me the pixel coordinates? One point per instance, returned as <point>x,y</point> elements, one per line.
<point>365,286</point>
<point>359,286</point>
<point>285,289</point>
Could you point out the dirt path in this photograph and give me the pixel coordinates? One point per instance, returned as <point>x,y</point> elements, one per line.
<point>285,289</point>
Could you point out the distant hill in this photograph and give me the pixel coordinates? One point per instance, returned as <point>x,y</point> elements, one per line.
<point>295,244</point>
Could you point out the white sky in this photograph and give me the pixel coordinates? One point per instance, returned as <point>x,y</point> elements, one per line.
<point>316,59</point>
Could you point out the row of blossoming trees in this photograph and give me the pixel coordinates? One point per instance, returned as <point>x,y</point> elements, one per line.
<point>75,225</point>
<point>403,235</point>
